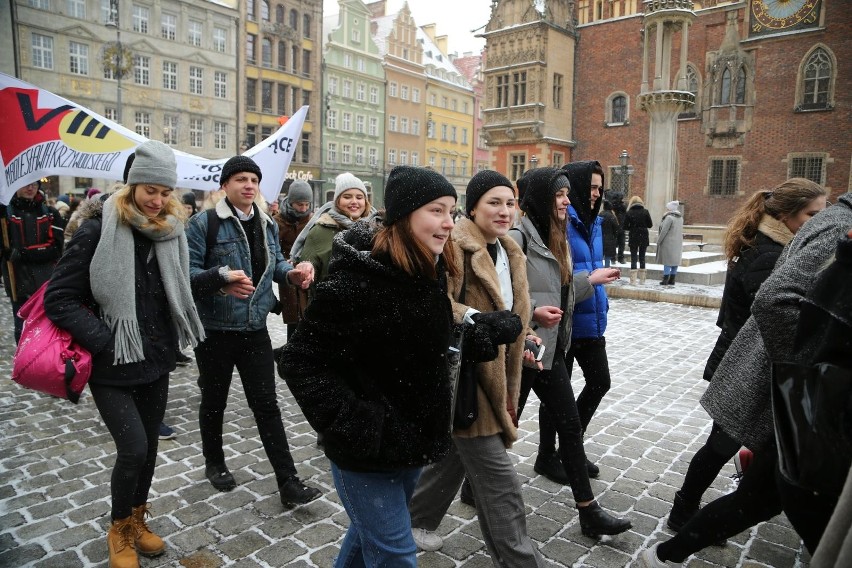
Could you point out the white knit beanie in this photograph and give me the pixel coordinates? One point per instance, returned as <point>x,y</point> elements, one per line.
<point>346,181</point>
<point>673,205</point>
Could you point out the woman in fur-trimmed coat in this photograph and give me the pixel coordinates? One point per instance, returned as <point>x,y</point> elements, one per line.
<point>492,271</point>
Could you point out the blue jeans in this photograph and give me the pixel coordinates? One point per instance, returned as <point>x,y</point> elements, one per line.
<point>669,270</point>
<point>380,525</point>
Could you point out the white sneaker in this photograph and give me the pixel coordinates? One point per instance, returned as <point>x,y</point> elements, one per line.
<point>427,540</point>
<point>651,560</point>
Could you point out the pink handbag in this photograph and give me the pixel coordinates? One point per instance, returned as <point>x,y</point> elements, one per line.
<point>47,359</point>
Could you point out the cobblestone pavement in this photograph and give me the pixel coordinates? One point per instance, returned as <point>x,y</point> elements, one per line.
<point>55,461</point>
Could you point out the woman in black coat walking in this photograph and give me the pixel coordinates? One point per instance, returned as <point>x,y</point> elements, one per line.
<point>636,223</point>
<point>757,234</point>
<point>122,291</point>
<point>368,364</point>
<point>610,229</point>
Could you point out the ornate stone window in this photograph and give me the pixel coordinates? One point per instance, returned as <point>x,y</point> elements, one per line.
<point>808,165</point>
<point>816,80</point>
<point>723,177</point>
<point>693,85</point>
<point>617,113</point>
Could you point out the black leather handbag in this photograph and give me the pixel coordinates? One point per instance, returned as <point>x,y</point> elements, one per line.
<point>465,407</point>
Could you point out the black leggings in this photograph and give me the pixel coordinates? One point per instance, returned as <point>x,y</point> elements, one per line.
<point>706,464</point>
<point>590,354</point>
<point>132,415</point>
<point>637,251</point>
<point>558,413</point>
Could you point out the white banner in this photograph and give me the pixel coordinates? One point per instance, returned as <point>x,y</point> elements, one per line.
<point>44,135</point>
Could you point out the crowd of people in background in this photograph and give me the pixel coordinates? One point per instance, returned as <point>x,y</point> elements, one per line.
<point>139,272</point>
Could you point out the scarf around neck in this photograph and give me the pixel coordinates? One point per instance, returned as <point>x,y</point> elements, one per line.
<point>292,213</point>
<point>113,280</point>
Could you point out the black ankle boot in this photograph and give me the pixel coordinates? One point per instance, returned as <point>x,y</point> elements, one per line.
<point>550,466</point>
<point>671,279</point>
<point>594,521</point>
<point>681,512</point>
<point>592,469</point>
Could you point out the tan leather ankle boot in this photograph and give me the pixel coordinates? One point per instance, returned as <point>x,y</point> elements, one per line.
<point>643,274</point>
<point>633,274</point>
<point>147,543</point>
<point>121,543</point>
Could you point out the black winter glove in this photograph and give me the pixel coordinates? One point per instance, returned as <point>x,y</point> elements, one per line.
<point>479,346</point>
<point>505,327</point>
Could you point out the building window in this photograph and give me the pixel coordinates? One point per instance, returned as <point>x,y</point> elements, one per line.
<point>331,152</point>
<point>430,129</point>
<point>374,95</point>
<point>170,75</point>
<point>360,124</point>
<point>617,181</point>
<point>362,65</point>
<point>294,20</point>
<point>264,10</point>
<point>443,166</point>
<point>294,99</point>
<point>194,28</point>
<point>373,154</point>
<point>517,165</point>
<point>392,89</point>
<point>444,102</point>
<point>403,157</point>
<point>392,157</point>
<point>808,166</point>
<point>106,11</point>
<point>392,123</point>
<point>294,58</point>
<point>143,124</point>
<point>266,52</point>
<point>415,127</point>
<point>403,125</point>
<point>141,14</point>
<point>356,35</point>
<point>374,126</point>
<point>196,81</point>
<point>559,160</point>
<point>693,87</point>
<point>361,92</point>
<point>111,113</point>
<point>196,132</point>
<point>346,153</point>
<point>220,135</point>
<point>306,147</point>
<point>332,85</point>
<point>76,8</point>
<point>251,95</point>
<point>557,90</point>
<point>347,60</point>
<point>347,122</point>
<point>519,88</point>
<point>251,136</point>
<point>724,176</point>
<point>444,132</point>
<point>415,95</point>
<point>40,4</point>
<point>403,92</point>
<point>78,58</point>
<point>282,99</point>
<point>219,39</point>
<point>170,129</point>
<point>251,55</point>
<point>453,132</point>
<point>502,91</point>
<point>42,51</point>
<point>141,70</point>
<point>168,26</point>
<point>306,25</point>
<point>359,155</point>
<point>464,136</point>
<point>306,62</point>
<point>266,96</point>
<point>282,56</point>
<point>817,81</point>
<point>220,84</point>
<point>617,109</point>
<point>250,10</point>
<point>306,101</point>
<point>415,159</point>
<point>347,89</point>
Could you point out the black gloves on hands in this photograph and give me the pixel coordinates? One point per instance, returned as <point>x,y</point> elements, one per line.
<point>490,330</point>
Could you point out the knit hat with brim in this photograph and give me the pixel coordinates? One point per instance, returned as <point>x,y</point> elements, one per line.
<point>154,163</point>
<point>481,183</point>
<point>239,164</point>
<point>410,188</point>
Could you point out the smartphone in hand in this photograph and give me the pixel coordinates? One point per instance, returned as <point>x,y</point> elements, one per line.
<point>535,349</point>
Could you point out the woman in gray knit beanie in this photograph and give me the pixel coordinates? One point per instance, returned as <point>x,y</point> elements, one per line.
<point>122,291</point>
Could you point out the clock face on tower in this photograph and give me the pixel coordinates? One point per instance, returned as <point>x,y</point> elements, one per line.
<point>768,16</point>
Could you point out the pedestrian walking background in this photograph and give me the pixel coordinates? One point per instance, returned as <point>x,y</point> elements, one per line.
<point>55,461</point>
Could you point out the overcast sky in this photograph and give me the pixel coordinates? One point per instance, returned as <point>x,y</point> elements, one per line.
<point>455,18</point>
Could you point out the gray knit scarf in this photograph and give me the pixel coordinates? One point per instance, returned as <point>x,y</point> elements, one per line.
<point>113,274</point>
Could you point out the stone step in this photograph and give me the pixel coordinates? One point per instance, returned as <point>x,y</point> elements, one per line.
<point>691,258</point>
<point>705,274</point>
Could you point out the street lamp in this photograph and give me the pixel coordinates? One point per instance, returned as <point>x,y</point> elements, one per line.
<point>533,162</point>
<point>624,160</point>
<point>118,67</point>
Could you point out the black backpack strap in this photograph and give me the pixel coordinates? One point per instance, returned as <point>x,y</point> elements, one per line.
<point>212,231</point>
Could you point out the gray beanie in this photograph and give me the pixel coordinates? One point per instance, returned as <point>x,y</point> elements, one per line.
<point>300,190</point>
<point>410,188</point>
<point>154,163</point>
<point>347,181</point>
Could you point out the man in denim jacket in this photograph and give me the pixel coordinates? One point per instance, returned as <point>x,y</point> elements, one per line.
<point>232,286</point>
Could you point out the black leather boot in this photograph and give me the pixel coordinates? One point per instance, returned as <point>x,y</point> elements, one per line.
<point>592,469</point>
<point>550,466</point>
<point>665,280</point>
<point>594,521</point>
<point>671,279</point>
<point>681,513</point>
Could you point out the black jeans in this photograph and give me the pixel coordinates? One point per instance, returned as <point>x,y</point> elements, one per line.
<point>591,356</point>
<point>756,500</point>
<point>132,415</point>
<point>706,464</point>
<point>558,415</point>
<point>620,245</point>
<point>251,353</point>
<point>637,251</point>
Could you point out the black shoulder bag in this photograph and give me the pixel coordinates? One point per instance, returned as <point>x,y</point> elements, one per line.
<point>462,373</point>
